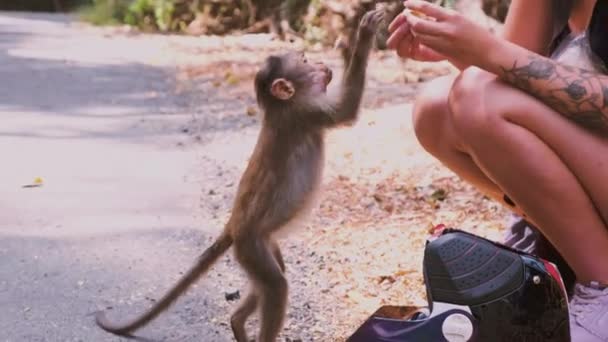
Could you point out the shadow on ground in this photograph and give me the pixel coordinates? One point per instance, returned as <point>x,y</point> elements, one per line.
<point>57,289</point>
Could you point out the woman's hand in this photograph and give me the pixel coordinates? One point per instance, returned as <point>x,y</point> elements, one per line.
<point>402,40</point>
<point>450,34</point>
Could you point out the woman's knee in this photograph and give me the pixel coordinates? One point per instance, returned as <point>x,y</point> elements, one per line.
<point>474,104</point>
<point>430,112</point>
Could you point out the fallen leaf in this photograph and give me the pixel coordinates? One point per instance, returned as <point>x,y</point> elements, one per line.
<point>231,78</point>
<point>251,111</point>
<point>38,182</point>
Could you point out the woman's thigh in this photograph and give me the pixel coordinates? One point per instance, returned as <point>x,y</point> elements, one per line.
<point>585,154</point>
<point>435,131</point>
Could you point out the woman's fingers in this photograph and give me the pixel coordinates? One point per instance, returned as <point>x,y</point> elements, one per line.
<point>404,47</point>
<point>435,43</point>
<point>416,48</point>
<point>429,9</point>
<point>398,35</point>
<point>427,54</point>
<point>411,24</point>
<point>398,21</point>
<point>424,26</point>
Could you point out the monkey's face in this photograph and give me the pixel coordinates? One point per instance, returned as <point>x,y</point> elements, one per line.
<point>291,78</point>
<point>309,77</point>
<point>320,74</point>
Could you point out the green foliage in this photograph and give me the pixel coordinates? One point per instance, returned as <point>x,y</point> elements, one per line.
<point>163,13</point>
<point>312,26</point>
<point>311,18</point>
<point>103,12</point>
<point>145,14</point>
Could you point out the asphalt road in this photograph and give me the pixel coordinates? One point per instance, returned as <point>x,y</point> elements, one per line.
<point>96,117</point>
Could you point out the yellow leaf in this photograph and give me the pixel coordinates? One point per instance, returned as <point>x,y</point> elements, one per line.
<point>232,80</point>
<point>251,111</point>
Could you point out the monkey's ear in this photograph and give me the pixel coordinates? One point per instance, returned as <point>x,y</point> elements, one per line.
<point>282,89</point>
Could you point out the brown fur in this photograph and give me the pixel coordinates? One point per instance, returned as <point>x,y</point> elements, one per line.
<point>279,182</point>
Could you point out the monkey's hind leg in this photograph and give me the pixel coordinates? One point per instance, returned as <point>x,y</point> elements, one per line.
<point>276,251</point>
<point>250,303</point>
<point>258,256</point>
<point>242,313</point>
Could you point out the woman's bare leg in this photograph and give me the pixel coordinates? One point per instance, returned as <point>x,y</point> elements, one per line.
<point>435,131</point>
<point>553,169</point>
<point>474,132</point>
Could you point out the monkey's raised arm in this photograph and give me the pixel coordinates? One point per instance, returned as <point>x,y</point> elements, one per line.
<point>353,82</point>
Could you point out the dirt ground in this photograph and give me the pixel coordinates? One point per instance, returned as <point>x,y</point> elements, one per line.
<point>140,140</point>
<point>381,192</point>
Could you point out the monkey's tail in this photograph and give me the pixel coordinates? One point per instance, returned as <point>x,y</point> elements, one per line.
<point>203,263</point>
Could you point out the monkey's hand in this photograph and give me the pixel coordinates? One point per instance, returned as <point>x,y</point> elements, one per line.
<point>370,24</point>
<point>368,27</point>
<point>354,76</point>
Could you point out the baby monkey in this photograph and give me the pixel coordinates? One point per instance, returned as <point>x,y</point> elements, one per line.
<point>280,181</point>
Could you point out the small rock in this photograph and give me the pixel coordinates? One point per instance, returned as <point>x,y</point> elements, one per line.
<point>385,278</point>
<point>439,195</point>
<point>410,77</point>
<point>232,296</point>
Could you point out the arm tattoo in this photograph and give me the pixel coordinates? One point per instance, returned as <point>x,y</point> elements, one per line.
<point>578,94</point>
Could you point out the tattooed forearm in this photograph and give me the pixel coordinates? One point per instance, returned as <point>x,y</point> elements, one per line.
<point>579,94</point>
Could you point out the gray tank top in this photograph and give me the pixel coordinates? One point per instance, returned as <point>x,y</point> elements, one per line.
<point>573,49</point>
